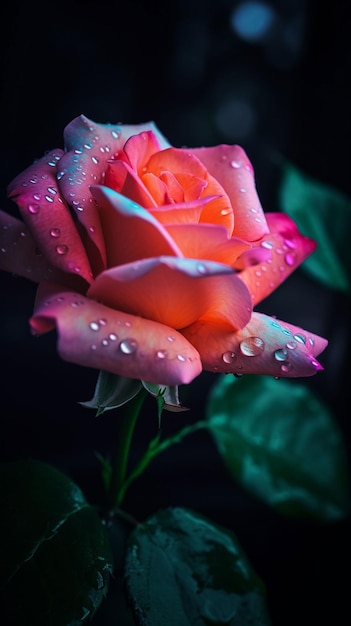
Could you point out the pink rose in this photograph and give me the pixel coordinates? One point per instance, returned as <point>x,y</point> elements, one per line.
<point>150,258</point>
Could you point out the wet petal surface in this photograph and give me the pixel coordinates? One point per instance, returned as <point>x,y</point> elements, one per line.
<point>93,335</point>
<point>265,346</point>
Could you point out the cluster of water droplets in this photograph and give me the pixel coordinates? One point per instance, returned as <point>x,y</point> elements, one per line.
<point>255,346</point>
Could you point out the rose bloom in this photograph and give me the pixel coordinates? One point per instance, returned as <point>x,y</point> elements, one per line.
<point>149,259</point>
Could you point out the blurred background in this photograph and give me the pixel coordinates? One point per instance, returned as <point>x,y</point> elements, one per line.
<point>271,75</point>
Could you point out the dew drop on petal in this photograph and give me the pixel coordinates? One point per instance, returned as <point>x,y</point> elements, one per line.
<point>128,346</point>
<point>161,354</point>
<point>253,346</point>
<point>201,268</point>
<point>113,337</point>
<point>300,338</point>
<point>289,259</point>
<point>94,326</point>
<point>286,367</point>
<point>281,354</point>
<point>235,164</point>
<point>170,338</point>
<point>33,208</point>
<point>62,249</point>
<point>228,357</point>
<point>267,244</point>
<point>55,232</point>
<point>180,357</point>
<point>291,345</point>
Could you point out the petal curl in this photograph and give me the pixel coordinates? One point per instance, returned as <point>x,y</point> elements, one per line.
<point>93,335</point>
<point>288,248</point>
<point>122,178</point>
<point>230,166</point>
<point>184,162</point>
<point>265,346</point>
<point>48,217</point>
<point>130,231</point>
<point>89,146</point>
<point>207,241</point>
<point>175,291</point>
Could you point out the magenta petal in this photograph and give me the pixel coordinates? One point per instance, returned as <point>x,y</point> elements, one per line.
<point>19,255</point>
<point>130,231</point>
<point>47,216</point>
<point>287,249</point>
<point>93,335</point>
<point>265,346</point>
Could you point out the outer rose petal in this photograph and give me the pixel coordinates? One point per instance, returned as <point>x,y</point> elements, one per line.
<point>233,170</point>
<point>288,248</point>
<point>176,291</point>
<point>93,335</point>
<point>48,218</point>
<point>18,253</point>
<point>264,346</point>
<point>89,146</point>
<point>130,231</point>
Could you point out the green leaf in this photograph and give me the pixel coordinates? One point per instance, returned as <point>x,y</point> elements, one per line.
<point>55,554</point>
<point>182,569</point>
<point>112,391</point>
<point>280,442</point>
<point>323,214</point>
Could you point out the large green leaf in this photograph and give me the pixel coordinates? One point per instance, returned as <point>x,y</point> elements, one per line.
<point>280,442</point>
<point>182,569</point>
<point>55,554</point>
<point>324,214</point>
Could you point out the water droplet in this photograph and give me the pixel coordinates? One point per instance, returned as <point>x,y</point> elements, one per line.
<point>104,342</point>
<point>180,357</point>
<point>201,268</point>
<point>291,345</point>
<point>267,244</point>
<point>286,367</point>
<point>281,354</point>
<point>228,357</point>
<point>128,346</point>
<point>300,338</point>
<point>62,249</point>
<point>94,326</point>
<point>226,211</point>
<point>290,258</point>
<point>161,354</point>
<point>170,338</point>
<point>253,346</point>
<point>115,134</point>
<point>235,164</point>
<point>55,232</point>
<point>95,160</point>
<point>52,190</point>
<point>37,196</point>
<point>113,337</point>
<point>33,208</point>
<point>243,189</point>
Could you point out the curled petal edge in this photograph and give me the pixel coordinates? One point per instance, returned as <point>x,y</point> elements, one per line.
<point>93,335</point>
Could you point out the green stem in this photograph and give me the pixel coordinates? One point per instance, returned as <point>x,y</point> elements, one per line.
<point>156,448</point>
<point>119,469</point>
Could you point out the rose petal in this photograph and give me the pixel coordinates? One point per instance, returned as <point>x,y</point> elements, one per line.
<point>130,231</point>
<point>288,248</point>
<point>93,335</point>
<point>47,216</point>
<point>139,148</point>
<point>18,252</point>
<point>183,162</point>
<point>122,178</point>
<point>175,291</point>
<point>264,346</point>
<point>230,166</point>
<point>207,241</point>
<point>182,213</point>
<point>89,146</point>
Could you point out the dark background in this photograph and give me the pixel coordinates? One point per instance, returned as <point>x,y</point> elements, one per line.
<point>186,65</point>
